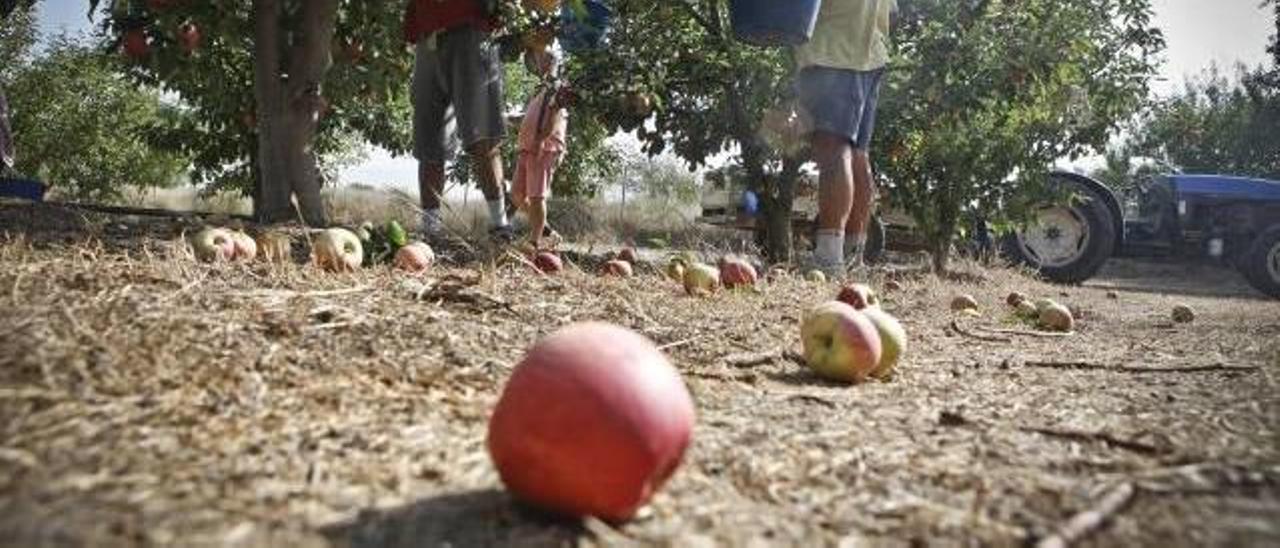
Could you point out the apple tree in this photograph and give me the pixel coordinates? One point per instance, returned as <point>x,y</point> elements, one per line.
<point>985,95</point>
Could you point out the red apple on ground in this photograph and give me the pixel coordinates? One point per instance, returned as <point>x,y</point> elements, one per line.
<point>701,279</point>
<point>547,262</point>
<point>737,272</point>
<point>246,249</point>
<point>189,37</point>
<point>214,244</point>
<point>619,268</point>
<point>840,343</point>
<point>893,341</point>
<point>859,296</point>
<point>415,257</point>
<point>593,422</point>
<point>338,250</point>
<point>628,254</point>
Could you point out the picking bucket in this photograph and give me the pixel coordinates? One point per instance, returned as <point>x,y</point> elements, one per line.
<point>774,22</point>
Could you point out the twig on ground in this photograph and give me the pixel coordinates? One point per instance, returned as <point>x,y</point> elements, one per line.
<point>1024,332</point>
<point>955,326</point>
<point>1090,366</point>
<point>678,344</point>
<point>1089,521</point>
<point>752,359</point>
<point>796,358</point>
<point>1079,435</point>
<point>814,399</point>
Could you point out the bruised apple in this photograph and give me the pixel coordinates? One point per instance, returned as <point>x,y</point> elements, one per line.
<point>859,296</point>
<point>415,257</point>
<point>736,272</point>
<point>618,268</point>
<point>840,343</point>
<point>547,262</point>
<point>701,279</point>
<point>214,244</point>
<point>338,249</point>
<point>593,422</point>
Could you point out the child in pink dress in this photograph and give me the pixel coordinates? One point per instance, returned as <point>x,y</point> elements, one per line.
<point>542,147</point>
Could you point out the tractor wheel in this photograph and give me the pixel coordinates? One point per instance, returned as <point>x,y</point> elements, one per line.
<point>1261,264</point>
<point>1067,244</point>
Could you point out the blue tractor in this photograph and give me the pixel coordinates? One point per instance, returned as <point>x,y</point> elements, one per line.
<point>1231,220</point>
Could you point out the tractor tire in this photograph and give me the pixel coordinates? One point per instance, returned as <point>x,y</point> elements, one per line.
<point>1067,244</point>
<point>1261,264</point>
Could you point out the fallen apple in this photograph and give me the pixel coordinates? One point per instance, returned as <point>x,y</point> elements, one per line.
<point>274,247</point>
<point>701,279</point>
<point>1026,309</point>
<point>547,262</point>
<point>840,343</point>
<point>737,272</point>
<point>246,249</point>
<point>675,269</point>
<point>628,254</point>
<point>415,257</point>
<point>1014,298</point>
<point>1056,318</point>
<point>593,422</point>
<point>815,276</point>
<point>337,250</point>
<point>893,341</point>
<point>859,296</point>
<point>214,244</point>
<point>963,303</point>
<point>618,268</point>
<point>1183,314</point>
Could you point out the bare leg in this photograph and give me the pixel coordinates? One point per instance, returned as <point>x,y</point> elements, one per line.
<point>833,154</point>
<point>864,197</point>
<point>486,159</point>
<point>430,191</point>
<point>537,212</point>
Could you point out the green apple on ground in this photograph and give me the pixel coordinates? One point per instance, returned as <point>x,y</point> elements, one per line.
<point>337,250</point>
<point>675,269</point>
<point>593,421</point>
<point>1027,310</point>
<point>1056,317</point>
<point>893,341</point>
<point>214,244</point>
<point>701,279</point>
<point>815,276</point>
<point>840,343</point>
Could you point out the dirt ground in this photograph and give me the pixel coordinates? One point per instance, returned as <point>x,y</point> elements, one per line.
<point>146,399</point>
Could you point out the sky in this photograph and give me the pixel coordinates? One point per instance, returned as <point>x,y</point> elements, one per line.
<point>1200,33</point>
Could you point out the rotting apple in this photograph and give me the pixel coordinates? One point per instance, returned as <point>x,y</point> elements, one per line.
<point>840,343</point>
<point>701,279</point>
<point>593,421</point>
<point>617,268</point>
<point>736,272</point>
<point>337,250</point>
<point>893,341</point>
<point>547,262</point>
<point>415,257</point>
<point>859,296</point>
<point>246,249</point>
<point>214,244</point>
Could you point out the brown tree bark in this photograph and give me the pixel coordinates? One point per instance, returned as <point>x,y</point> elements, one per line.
<point>290,102</point>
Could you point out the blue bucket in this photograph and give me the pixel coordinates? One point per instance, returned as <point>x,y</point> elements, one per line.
<point>26,189</point>
<point>774,22</point>
<point>584,31</point>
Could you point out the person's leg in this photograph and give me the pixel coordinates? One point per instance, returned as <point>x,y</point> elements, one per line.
<point>536,209</point>
<point>864,193</point>
<point>430,134</point>
<point>519,182</point>
<point>833,154</point>
<point>477,89</point>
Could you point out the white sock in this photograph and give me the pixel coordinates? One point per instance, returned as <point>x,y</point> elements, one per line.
<point>431,220</point>
<point>829,252</point>
<point>498,212</point>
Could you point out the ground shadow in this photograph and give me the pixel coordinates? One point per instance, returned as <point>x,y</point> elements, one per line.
<point>1164,276</point>
<point>477,518</point>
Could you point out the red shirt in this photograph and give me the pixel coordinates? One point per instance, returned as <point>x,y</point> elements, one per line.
<point>427,16</point>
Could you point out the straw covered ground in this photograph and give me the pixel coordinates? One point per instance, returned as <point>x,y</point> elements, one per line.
<point>148,399</point>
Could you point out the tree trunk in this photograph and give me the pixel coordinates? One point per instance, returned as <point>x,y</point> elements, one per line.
<point>940,253</point>
<point>289,105</point>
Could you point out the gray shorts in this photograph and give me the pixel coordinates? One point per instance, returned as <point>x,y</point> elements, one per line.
<point>458,74</point>
<point>840,101</point>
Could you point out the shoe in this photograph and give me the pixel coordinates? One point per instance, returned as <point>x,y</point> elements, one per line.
<point>504,234</point>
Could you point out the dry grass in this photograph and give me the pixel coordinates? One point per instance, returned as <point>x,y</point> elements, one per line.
<point>148,399</point>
